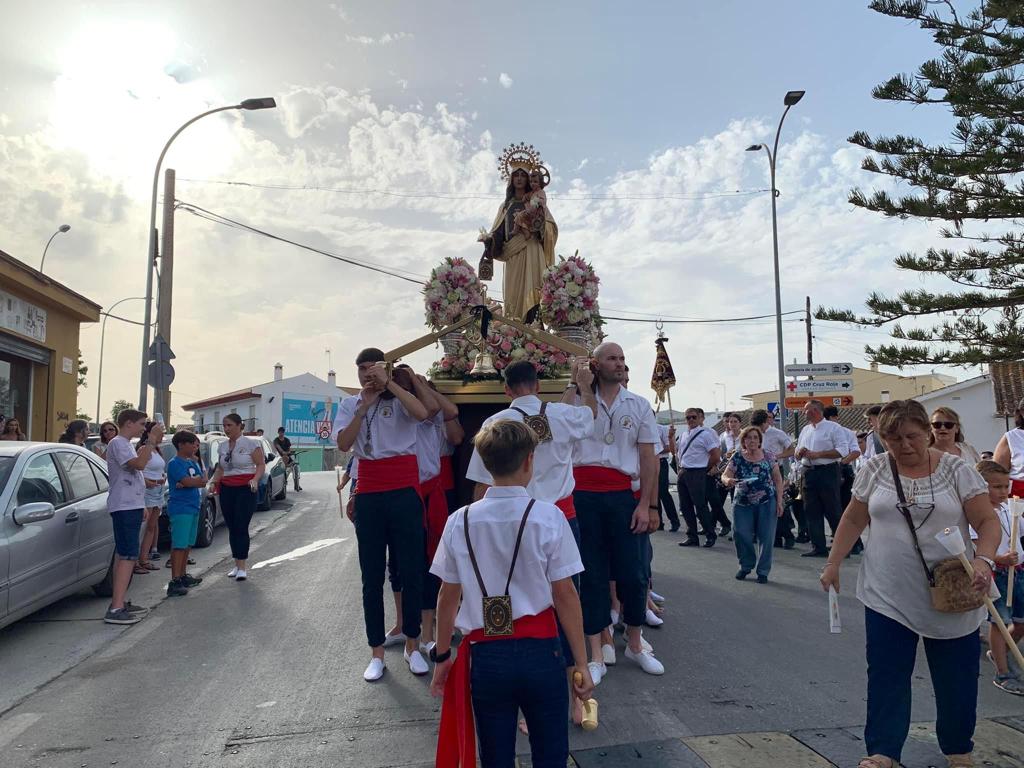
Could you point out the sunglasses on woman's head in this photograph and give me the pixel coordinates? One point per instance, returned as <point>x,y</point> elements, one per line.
<point>944,424</point>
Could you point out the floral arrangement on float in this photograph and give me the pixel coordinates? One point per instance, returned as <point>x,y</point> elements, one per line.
<point>451,291</point>
<point>568,300</point>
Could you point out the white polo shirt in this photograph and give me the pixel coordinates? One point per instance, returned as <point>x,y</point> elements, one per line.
<point>729,442</point>
<point>824,436</point>
<point>428,446</point>
<point>547,554</point>
<point>392,429</point>
<point>698,454</point>
<point>630,422</point>
<point>552,461</point>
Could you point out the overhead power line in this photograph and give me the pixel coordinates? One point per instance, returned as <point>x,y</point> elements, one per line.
<point>216,218</point>
<point>479,195</point>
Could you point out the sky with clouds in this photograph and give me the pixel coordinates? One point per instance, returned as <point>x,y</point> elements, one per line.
<point>390,118</point>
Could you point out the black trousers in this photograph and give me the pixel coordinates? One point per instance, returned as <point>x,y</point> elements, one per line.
<point>390,519</point>
<point>668,504</point>
<point>237,506</point>
<point>821,501</point>
<point>845,485</point>
<point>693,501</point>
<point>716,500</point>
<point>610,551</point>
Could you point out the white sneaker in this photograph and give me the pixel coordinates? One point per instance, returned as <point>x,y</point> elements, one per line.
<point>240,574</point>
<point>417,664</point>
<point>426,648</point>
<point>374,670</point>
<point>390,640</point>
<point>233,572</point>
<point>644,644</point>
<point>653,619</point>
<point>608,654</point>
<point>597,671</point>
<point>645,659</point>
<point>656,597</point>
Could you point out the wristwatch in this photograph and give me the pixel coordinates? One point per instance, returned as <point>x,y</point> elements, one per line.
<point>439,658</point>
<point>989,561</point>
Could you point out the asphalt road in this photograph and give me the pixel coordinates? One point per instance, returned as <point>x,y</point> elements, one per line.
<point>269,672</point>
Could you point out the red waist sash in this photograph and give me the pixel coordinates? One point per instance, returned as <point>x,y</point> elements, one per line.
<point>1016,487</point>
<point>601,479</point>
<point>636,495</point>
<point>456,740</point>
<point>390,474</point>
<point>568,506</point>
<point>447,474</point>
<point>236,481</point>
<point>435,513</point>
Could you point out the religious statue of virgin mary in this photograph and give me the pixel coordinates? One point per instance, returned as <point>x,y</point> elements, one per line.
<point>523,234</point>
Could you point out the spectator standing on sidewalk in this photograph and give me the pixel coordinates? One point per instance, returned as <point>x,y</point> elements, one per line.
<point>240,466</point>
<point>948,436</point>
<point>108,431</point>
<point>125,502</point>
<point>75,433</point>
<point>12,430</point>
<point>155,476</point>
<point>185,477</point>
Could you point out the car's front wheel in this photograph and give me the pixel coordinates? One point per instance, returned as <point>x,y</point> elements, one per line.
<point>204,537</point>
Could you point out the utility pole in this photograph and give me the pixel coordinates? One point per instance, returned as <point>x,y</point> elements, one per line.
<point>162,397</point>
<point>810,336</point>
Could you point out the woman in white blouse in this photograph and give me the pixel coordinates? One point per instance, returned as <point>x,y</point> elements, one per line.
<point>1010,452</point>
<point>155,475</point>
<point>942,491</point>
<point>240,466</point>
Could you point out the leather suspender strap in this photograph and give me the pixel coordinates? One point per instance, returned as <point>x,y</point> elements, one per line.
<point>515,553</point>
<point>902,506</point>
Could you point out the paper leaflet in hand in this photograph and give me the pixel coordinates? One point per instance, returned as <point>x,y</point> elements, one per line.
<point>835,626</point>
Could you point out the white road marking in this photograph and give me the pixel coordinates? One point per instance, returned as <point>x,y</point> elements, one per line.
<point>297,553</point>
<point>11,727</point>
<point>266,704</point>
<point>130,638</point>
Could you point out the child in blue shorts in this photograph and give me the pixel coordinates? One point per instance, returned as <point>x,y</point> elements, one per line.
<point>184,477</point>
<point>1008,575</point>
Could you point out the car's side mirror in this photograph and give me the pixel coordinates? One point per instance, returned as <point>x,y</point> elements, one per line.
<point>34,512</point>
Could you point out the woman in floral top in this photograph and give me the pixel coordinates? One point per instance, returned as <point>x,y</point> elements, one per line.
<point>757,504</point>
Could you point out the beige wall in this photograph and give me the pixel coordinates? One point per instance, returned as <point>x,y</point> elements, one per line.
<point>870,386</point>
<point>54,392</point>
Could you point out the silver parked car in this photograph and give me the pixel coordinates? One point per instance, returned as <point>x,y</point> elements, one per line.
<point>55,532</point>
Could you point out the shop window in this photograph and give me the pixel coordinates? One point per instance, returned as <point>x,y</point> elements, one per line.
<point>15,386</point>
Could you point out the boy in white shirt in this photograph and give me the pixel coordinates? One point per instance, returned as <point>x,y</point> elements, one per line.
<point>1008,575</point>
<point>506,615</point>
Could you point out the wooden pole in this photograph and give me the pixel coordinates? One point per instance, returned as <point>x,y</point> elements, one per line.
<point>1010,643</point>
<point>1014,536</point>
<point>341,503</point>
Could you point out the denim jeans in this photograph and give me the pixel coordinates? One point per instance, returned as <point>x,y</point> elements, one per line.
<point>749,519</point>
<point>954,667</point>
<point>528,675</point>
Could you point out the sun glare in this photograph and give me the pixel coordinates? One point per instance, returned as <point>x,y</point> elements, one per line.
<point>119,97</point>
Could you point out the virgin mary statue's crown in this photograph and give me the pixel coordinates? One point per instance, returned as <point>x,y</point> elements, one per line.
<point>518,157</point>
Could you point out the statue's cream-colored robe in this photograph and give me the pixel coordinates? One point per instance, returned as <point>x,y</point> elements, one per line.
<point>525,262</point>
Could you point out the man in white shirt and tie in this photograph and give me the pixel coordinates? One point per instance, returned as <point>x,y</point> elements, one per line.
<point>821,445</point>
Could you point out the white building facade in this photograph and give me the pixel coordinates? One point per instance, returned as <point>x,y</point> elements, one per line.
<point>305,405</point>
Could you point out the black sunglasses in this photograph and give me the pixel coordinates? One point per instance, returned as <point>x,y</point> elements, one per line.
<point>944,424</point>
<point>691,418</point>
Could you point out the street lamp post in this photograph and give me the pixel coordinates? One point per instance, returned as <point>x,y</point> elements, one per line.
<point>725,398</point>
<point>267,103</point>
<point>103,335</point>
<point>792,97</point>
<point>60,230</point>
